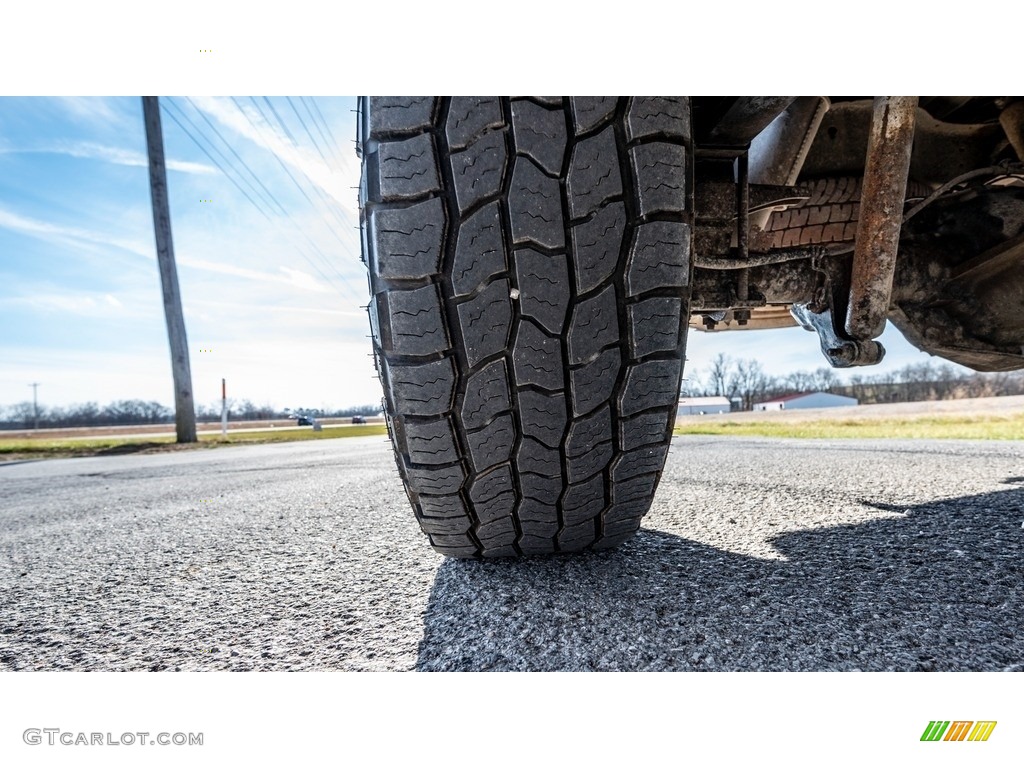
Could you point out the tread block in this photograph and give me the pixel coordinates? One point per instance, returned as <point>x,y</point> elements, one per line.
<point>441,481</point>
<point>536,543</point>
<point>594,175</point>
<point>589,446</point>
<point>407,241</point>
<point>497,533</point>
<point>592,384</point>
<point>551,101</point>
<point>645,429</point>
<point>398,114</point>
<point>450,544</point>
<point>596,246</point>
<point>496,509</point>
<point>407,169</point>
<point>469,117</point>
<point>622,534</point>
<point>538,518</point>
<point>478,169</point>
<point>534,456</point>
<point>583,501</point>
<point>485,322</point>
<point>649,385</point>
<point>541,488</point>
<point>654,326</point>
<point>659,257</point>
<point>590,463</point>
<point>539,134</point>
<point>658,116</point>
<point>535,206</point>
<point>577,537</point>
<point>624,524</point>
<point>486,395</point>
<point>479,250</point>
<point>595,325</point>
<point>639,490</point>
<point>660,171</point>
<point>442,506</point>
<point>543,288</point>
<point>448,526</point>
<point>644,460</point>
<point>543,417</point>
<point>417,327</point>
<point>423,390</point>
<point>490,485</point>
<point>429,442</point>
<point>589,431</point>
<point>537,358</point>
<point>589,111</point>
<point>492,444</point>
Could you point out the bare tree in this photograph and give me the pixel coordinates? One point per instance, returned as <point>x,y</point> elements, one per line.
<point>718,376</point>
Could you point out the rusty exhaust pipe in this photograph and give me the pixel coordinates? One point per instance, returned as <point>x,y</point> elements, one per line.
<point>881,214</point>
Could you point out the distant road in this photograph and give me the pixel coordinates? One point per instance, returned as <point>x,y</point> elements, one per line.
<point>758,554</point>
<point>165,430</point>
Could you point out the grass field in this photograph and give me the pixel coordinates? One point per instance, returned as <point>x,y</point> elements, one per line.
<point>109,446</point>
<point>962,427</point>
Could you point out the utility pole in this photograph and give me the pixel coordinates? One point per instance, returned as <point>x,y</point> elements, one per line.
<point>35,402</point>
<point>184,407</point>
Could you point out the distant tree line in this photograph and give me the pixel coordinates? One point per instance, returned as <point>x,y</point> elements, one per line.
<point>142,412</point>
<point>745,380</point>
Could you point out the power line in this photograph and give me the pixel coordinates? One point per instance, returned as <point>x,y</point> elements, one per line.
<point>312,118</point>
<point>270,194</point>
<point>330,207</point>
<point>245,165</point>
<point>196,141</point>
<point>306,129</point>
<point>327,128</point>
<point>344,285</point>
<point>276,202</point>
<point>328,262</point>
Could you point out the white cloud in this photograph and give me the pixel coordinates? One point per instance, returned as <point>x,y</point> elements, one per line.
<point>339,185</point>
<point>289,276</point>
<point>91,151</point>
<point>66,235</point>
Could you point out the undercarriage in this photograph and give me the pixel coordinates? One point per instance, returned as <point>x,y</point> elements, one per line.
<point>837,214</point>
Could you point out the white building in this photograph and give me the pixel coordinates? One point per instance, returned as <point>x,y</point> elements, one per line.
<point>698,406</point>
<point>805,400</point>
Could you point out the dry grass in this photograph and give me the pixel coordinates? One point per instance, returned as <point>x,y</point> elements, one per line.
<point>109,446</point>
<point>960,427</point>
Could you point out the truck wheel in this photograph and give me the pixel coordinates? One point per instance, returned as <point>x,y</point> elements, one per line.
<point>529,264</point>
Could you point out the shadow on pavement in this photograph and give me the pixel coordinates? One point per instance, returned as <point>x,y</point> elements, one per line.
<point>939,588</point>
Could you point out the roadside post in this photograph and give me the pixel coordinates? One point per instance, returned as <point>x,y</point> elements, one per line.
<point>224,407</point>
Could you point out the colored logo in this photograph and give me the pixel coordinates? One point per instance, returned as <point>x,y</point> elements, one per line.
<point>958,730</point>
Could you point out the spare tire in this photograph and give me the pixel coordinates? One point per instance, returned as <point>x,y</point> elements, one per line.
<point>529,264</point>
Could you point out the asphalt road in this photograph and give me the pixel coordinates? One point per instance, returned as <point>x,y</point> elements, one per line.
<point>757,554</point>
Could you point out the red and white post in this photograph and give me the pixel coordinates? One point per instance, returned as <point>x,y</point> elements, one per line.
<point>224,407</point>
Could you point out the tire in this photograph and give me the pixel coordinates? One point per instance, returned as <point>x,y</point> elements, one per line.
<point>828,216</point>
<point>529,264</point>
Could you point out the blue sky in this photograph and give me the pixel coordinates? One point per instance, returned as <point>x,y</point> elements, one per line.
<point>275,300</point>
<point>271,302</point>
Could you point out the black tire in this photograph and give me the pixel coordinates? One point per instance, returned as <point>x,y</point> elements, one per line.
<point>529,266</point>
<point>828,216</point>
